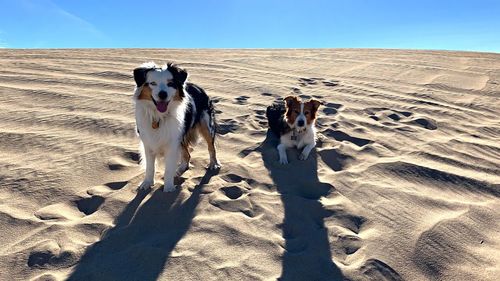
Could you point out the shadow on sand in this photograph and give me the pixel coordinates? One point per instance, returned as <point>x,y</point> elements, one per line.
<point>307,250</point>
<point>138,247</point>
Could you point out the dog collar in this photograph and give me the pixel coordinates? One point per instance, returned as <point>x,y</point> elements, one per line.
<point>295,134</point>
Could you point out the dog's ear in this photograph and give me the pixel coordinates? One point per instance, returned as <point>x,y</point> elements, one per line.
<point>289,100</point>
<point>315,104</point>
<point>182,76</point>
<point>140,75</point>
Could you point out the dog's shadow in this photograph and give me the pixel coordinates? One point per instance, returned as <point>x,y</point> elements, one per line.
<point>307,254</point>
<point>138,246</point>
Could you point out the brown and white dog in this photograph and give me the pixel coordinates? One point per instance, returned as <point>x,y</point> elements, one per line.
<point>170,113</point>
<point>294,124</point>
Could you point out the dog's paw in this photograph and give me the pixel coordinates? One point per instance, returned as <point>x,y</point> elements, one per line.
<point>214,166</point>
<point>146,184</point>
<point>168,188</point>
<point>283,161</point>
<point>303,156</point>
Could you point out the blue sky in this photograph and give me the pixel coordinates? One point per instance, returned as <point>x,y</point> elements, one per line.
<point>424,24</point>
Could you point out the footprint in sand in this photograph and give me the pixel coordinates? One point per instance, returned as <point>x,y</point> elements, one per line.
<point>331,83</point>
<point>344,214</point>
<point>81,207</point>
<point>350,243</point>
<point>116,185</point>
<point>234,197</point>
<point>104,190</point>
<point>331,108</point>
<point>305,97</point>
<point>391,117</point>
<point>216,100</point>
<point>232,192</point>
<point>315,81</point>
<point>348,220</point>
<point>376,269</point>
<point>59,212</point>
<point>132,156</point>
<point>341,136</point>
<point>260,117</point>
<point>89,205</point>
<point>241,100</point>
<point>232,178</point>
<point>309,81</point>
<point>127,160</point>
<point>296,91</point>
<point>49,254</point>
<point>426,123</point>
<point>74,210</point>
<point>228,126</point>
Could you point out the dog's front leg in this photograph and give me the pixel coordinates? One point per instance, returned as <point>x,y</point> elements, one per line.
<point>305,152</point>
<point>282,153</point>
<point>149,179</point>
<point>171,159</point>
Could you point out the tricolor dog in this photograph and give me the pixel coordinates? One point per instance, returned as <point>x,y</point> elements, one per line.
<point>294,124</point>
<point>170,114</point>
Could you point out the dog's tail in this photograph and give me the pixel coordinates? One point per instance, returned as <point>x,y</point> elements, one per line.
<point>275,117</point>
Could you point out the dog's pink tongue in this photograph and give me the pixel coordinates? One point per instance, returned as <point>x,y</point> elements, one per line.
<point>161,106</point>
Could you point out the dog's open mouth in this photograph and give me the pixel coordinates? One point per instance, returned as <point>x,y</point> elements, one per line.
<point>161,106</point>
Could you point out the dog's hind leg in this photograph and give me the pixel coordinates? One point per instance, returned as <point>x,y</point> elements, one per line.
<point>208,131</point>
<point>172,155</point>
<point>185,158</point>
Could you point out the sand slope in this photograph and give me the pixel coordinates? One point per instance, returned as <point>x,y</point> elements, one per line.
<point>404,184</point>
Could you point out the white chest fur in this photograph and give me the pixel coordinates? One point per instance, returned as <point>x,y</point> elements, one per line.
<point>305,141</point>
<point>168,132</point>
<point>299,140</point>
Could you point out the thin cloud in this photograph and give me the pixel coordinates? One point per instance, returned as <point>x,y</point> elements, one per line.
<point>85,25</point>
<point>50,9</point>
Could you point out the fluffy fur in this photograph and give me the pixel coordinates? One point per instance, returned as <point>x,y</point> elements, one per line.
<point>170,114</point>
<point>294,123</point>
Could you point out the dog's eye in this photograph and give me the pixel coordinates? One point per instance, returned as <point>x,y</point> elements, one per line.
<point>307,112</point>
<point>152,83</point>
<point>171,84</point>
<point>297,112</point>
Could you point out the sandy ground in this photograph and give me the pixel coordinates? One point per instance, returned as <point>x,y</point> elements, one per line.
<point>404,183</point>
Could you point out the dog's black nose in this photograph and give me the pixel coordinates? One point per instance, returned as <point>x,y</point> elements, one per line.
<point>300,123</point>
<point>162,95</point>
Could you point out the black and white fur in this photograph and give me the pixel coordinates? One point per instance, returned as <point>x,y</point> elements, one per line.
<point>170,114</point>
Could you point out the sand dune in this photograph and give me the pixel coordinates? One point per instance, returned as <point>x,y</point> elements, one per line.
<point>404,183</point>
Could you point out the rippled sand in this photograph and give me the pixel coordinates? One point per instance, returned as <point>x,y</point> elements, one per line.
<point>404,184</point>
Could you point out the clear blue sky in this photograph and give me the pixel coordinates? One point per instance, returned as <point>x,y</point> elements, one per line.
<point>418,24</point>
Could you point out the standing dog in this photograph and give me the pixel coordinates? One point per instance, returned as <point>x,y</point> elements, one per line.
<point>294,124</point>
<point>170,114</point>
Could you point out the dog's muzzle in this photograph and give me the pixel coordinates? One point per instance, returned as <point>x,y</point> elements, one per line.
<point>161,106</point>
